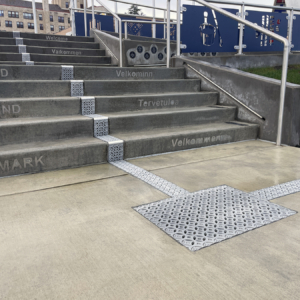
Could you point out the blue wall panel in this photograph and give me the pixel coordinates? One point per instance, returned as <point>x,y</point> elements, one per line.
<point>201,32</point>
<point>295,36</point>
<point>138,29</point>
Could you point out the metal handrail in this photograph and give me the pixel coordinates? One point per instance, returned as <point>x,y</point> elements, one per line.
<point>284,63</point>
<point>120,31</point>
<point>224,91</point>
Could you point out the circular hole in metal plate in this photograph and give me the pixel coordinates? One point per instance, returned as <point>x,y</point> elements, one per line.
<point>132,54</point>
<point>202,53</point>
<point>147,55</point>
<point>214,53</point>
<point>153,49</point>
<point>165,50</point>
<point>160,56</point>
<point>139,49</point>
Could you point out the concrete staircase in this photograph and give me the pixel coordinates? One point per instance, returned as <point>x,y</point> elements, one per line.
<point>153,110</point>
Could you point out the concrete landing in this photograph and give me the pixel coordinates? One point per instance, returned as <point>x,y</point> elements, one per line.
<point>73,234</point>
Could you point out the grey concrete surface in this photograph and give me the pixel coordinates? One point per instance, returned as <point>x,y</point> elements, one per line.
<point>259,93</point>
<point>84,240</point>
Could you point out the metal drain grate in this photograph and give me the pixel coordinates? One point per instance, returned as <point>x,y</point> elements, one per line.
<point>200,219</point>
<point>115,148</point>
<point>77,88</point>
<point>67,72</point>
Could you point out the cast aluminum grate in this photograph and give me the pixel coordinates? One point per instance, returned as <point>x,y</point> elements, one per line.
<point>76,88</point>
<point>67,72</point>
<point>19,41</point>
<point>25,57</point>
<point>115,148</point>
<point>277,191</point>
<point>88,106</point>
<point>197,220</point>
<point>16,34</point>
<point>22,49</point>
<point>29,63</point>
<point>159,183</point>
<point>100,125</point>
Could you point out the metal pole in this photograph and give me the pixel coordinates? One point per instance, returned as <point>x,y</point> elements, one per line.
<point>73,18</point>
<point>290,33</point>
<point>241,31</point>
<point>153,25</point>
<point>178,26</point>
<point>126,30</point>
<point>168,34</point>
<point>93,15</point>
<point>34,17</point>
<point>164,25</point>
<point>285,65</point>
<point>85,24</point>
<point>121,43</point>
<point>116,21</point>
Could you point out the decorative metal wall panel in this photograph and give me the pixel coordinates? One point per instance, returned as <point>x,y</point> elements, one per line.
<point>115,148</point>
<point>100,125</point>
<point>87,105</point>
<point>67,72</point>
<point>22,49</point>
<point>77,88</point>
<point>29,63</point>
<point>25,57</point>
<point>19,41</point>
<point>197,220</point>
<point>16,34</point>
<point>159,183</point>
<point>277,191</point>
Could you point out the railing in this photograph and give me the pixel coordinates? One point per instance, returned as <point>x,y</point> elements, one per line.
<point>269,33</point>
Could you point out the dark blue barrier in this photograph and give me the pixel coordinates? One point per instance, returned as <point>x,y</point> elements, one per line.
<point>138,29</point>
<point>295,38</point>
<point>160,31</point>
<point>201,32</point>
<point>257,41</point>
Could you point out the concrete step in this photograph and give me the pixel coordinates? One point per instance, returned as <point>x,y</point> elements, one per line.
<point>167,118</point>
<point>19,72</point>
<point>63,106</point>
<point>54,51</point>
<point>50,43</point>
<point>148,142</point>
<point>48,156</point>
<point>59,88</point>
<point>49,37</point>
<point>27,130</point>
<point>57,58</point>
<point>38,63</point>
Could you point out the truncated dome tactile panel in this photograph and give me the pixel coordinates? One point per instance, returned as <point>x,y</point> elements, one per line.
<point>197,220</point>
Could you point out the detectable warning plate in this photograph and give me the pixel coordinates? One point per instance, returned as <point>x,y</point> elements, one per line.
<point>197,220</point>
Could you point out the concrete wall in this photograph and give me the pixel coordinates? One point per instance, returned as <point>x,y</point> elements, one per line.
<point>259,93</point>
<point>249,61</point>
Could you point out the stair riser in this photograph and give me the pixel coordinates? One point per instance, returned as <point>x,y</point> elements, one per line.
<point>34,132</point>
<point>140,103</point>
<point>50,37</point>
<point>87,73</point>
<point>16,89</point>
<point>52,159</point>
<point>189,141</point>
<point>125,124</point>
<point>39,108</point>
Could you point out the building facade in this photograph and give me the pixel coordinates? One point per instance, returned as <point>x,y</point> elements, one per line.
<point>17,15</point>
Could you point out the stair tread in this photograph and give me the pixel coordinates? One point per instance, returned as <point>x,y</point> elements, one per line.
<point>176,130</point>
<point>48,145</point>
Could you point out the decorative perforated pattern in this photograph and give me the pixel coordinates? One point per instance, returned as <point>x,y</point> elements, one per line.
<point>115,148</point>
<point>197,220</point>
<point>100,125</point>
<point>67,72</point>
<point>19,41</point>
<point>22,49</point>
<point>87,105</point>
<point>25,57</point>
<point>16,34</point>
<point>277,191</point>
<point>76,88</point>
<point>154,180</point>
<point>29,63</point>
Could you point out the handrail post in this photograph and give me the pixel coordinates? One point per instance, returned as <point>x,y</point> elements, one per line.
<point>178,27</point>
<point>285,65</point>
<point>116,21</point>
<point>34,17</point>
<point>85,24</point>
<point>164,25</point>
<point>73,18</point>
<point>290,33</point>
<point>126,30</point>
<point>93,15</point>
<point>241,36</point>
<point>153,25</point>
<point>168,34</point>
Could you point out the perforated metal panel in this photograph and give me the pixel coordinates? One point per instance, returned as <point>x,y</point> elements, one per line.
<point>29,63</point>
<point>16,34</point>
<point>76,88</point>
<point>22,49</point>
<point>115,148</point>
<point>67,72</point>
<point>87,105</point>
<point>100,125</point>
<point>19,41</point>
<point>197,220</point>
<point>25,57</point>
<point>152,179</point>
